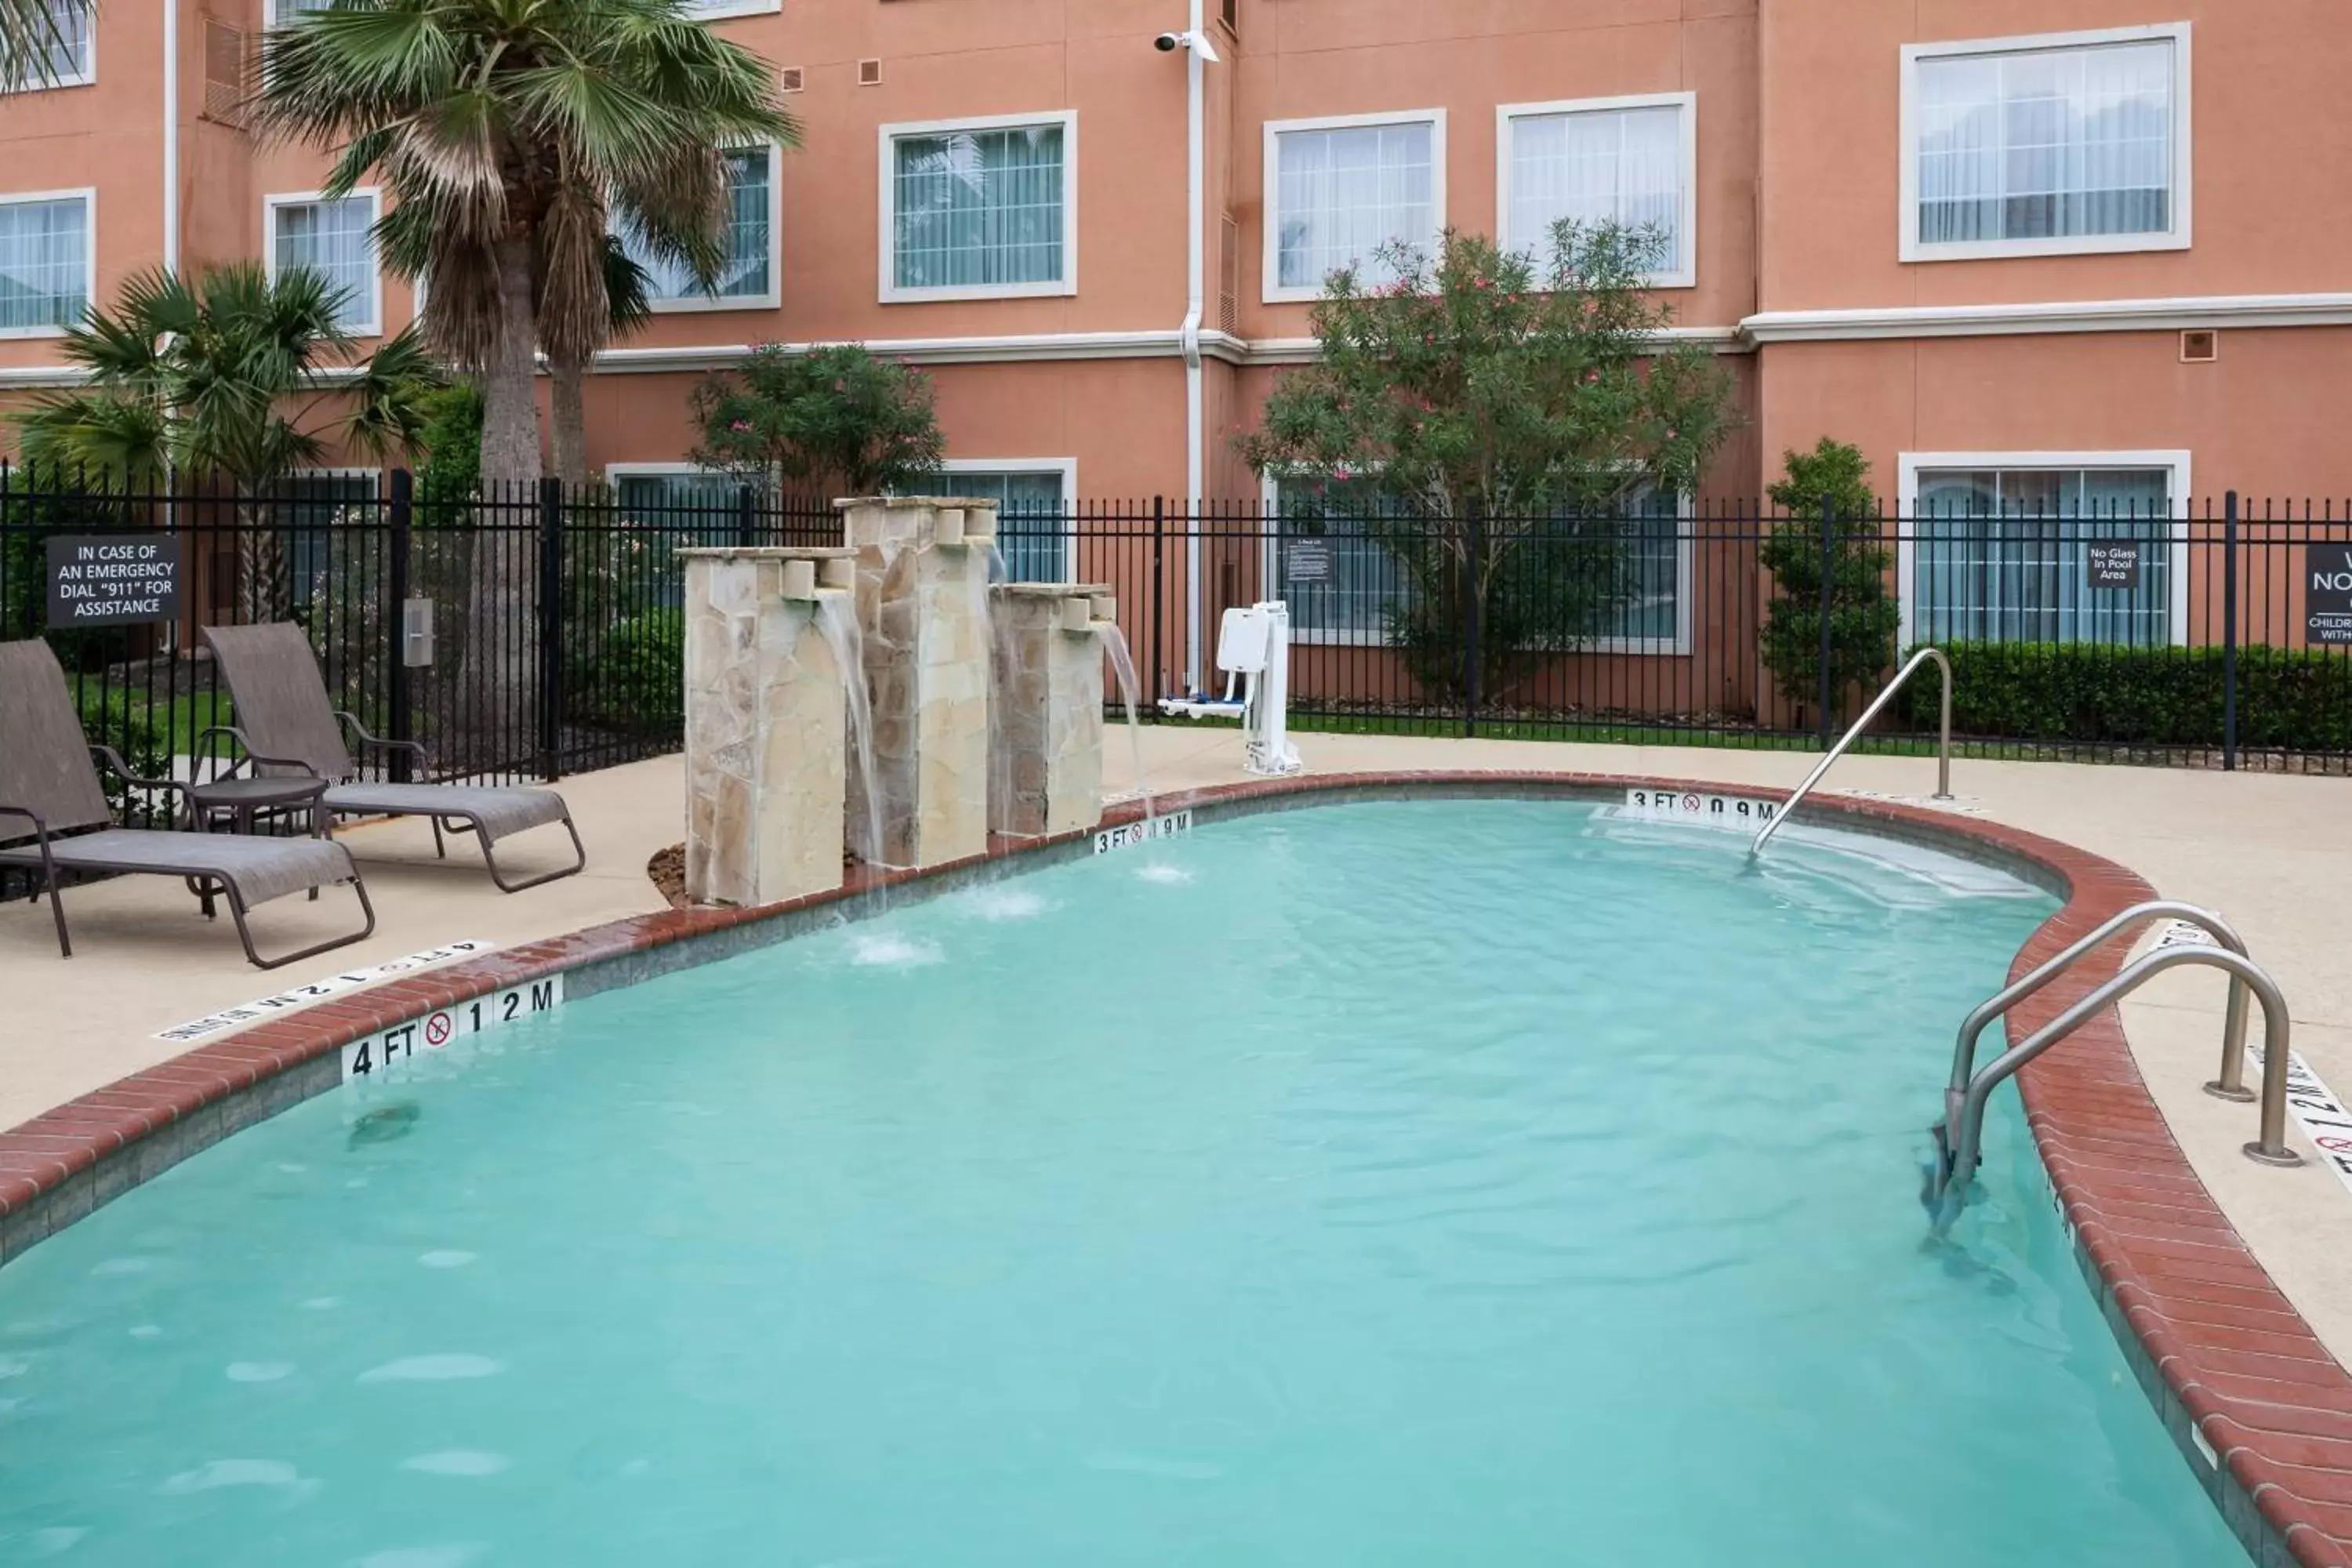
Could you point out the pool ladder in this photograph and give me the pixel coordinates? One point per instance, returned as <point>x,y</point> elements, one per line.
<point>1854,733</point>
<point>1959,1134</point>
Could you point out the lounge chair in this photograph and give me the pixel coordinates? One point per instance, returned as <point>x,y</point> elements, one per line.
<point>285,722</point>
<point>46,779</point>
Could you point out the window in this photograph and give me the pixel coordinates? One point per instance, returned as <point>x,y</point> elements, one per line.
<point>980,209</point>
<point>748,279</point>
<point>1614,583</point>
<point>45,262</point>
<point>313,504</point>
<point>675,496</point>
<point>1627,160</point>
<point>1032,524</point>
<point>2076,142</point>
<point>1339,190</point>
<point>284,11</point>
<point>712,10</point>
<point>68,53</point>
<point>335,239</point>
<point>2000,549</point>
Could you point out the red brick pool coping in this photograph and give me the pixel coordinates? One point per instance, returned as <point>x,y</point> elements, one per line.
<point>2261,1409</point>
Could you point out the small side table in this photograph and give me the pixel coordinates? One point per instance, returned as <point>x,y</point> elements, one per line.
<point>242,799</point>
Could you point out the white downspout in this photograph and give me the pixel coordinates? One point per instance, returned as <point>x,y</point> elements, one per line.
<point>172,135</point>
<point>1196,74</point>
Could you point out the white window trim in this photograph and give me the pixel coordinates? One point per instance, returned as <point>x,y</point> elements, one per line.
<point>2183,149</point>
<point>372,327</point>
<point>888,269</point>
<point>1270,263</point>
<point>87,196</point>
<point>1678,646</point>
<point>2178,460</point>
<point>773,299</point>
<point>721,10</point>
<point>1683,276</point>
<point>88,76</point>
<point>1067,467</point>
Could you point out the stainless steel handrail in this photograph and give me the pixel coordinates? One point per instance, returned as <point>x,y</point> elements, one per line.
<point>1959,1144</point>
<point>2233,1028</point>
<point>1853,734</point>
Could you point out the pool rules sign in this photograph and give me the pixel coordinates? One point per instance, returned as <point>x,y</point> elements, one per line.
<point>2327,594</point>
<point>113,579</point>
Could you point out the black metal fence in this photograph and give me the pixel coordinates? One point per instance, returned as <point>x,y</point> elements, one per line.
<point>2222,637</point>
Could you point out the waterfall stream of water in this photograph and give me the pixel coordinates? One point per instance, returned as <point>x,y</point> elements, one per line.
<point>836,619</point>
<point>1122,664</point>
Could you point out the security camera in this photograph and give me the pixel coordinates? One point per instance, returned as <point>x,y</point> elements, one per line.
<point>1168,43</point>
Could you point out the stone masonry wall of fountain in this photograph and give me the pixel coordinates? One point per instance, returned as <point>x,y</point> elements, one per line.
<point>766,733</point>
<point>922,581</point>
<point>1048,771</point>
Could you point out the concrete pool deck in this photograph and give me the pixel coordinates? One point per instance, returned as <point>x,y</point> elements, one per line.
<point>2271,852</point>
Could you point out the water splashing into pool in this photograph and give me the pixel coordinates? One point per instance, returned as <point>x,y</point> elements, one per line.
<point>1122,664</point>
<point>836,619</point>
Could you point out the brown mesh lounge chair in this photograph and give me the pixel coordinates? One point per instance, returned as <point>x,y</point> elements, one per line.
<point>285,724</point>
<point>47,779</point>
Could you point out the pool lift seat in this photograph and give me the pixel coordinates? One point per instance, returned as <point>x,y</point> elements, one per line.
<point>1253,650</point>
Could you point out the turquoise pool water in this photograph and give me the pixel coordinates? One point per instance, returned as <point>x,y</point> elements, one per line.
<point>1442,1183</point>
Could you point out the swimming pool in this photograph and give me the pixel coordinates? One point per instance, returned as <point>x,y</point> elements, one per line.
<point>1427,1182</point>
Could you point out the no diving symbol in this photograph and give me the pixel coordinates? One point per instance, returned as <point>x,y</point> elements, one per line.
<point>1691,803</point>
<point>436,1030</point>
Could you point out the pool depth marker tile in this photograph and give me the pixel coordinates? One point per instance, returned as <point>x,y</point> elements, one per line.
<point>334,984</point>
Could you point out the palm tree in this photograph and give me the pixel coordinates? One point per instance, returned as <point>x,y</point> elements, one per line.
<point>519,134</point>
<point>628,302</point>
<point>513,137</point>
<point>238,376</point>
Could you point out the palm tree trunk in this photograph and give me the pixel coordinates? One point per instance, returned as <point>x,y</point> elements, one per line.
<point>570,380</point>
<point>499,691</point>
<point>263,595</point>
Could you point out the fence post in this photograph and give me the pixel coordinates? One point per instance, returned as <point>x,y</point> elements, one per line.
<point>1159,587</point>
<point>550,627</point>
<point>1829,566</point>
<point>1476,540</point>
<point>2229,631</point>
<point>747,529</point>
<point>396,620</point>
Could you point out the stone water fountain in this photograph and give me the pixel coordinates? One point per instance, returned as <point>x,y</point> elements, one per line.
<point>881,697</point>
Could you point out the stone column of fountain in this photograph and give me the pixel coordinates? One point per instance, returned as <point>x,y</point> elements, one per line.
<point>766,722</point>
<point>1047,773</point>
<point>922,602</point>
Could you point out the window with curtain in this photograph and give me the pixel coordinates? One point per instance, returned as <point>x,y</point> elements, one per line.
<point>336,241</point>
<point>980,209</point>
<point>1341,193</point>
<point>44,263</point>
<point>750,269</point>
<point>2047,144</point>
<point>1623,167</point>
<point>2003,555</point>
<point>1032,524</point>
<point>66,48</point>
<point>1629,560</point>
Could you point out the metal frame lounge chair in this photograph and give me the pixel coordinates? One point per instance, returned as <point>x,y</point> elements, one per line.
<point>47,779</point>
<point>285,723</point>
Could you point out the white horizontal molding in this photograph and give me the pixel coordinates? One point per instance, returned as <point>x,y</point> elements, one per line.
<point>1305,351</point>
<point>2180,314</point>
<point>1042,346</point>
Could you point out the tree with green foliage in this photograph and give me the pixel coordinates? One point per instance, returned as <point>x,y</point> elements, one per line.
<point>233,375</point>
<point>34,49</point>
<point>840,419</point>
<point>1511,410</point>
<point>511,138</point>
<point>1831,481</point>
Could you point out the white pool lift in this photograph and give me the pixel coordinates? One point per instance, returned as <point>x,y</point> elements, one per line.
<point>1253,650</point>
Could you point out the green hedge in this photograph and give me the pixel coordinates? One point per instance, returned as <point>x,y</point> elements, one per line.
<point>2288,698</point>
<point>634,677</point>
